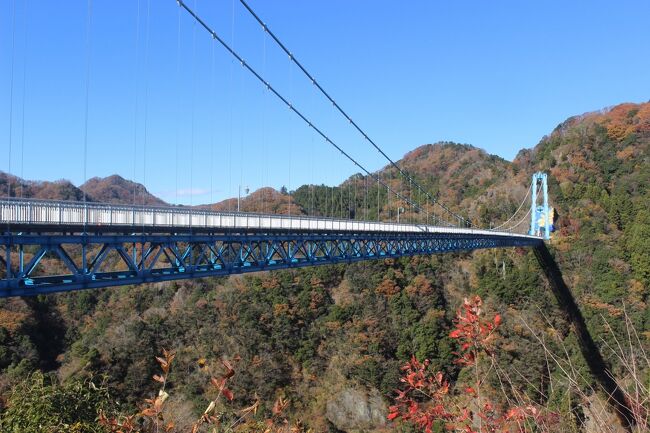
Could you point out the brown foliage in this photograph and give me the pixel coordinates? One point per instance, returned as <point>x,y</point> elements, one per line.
<point>388,288</point>
<point>153,418</point>
<point>424,397</point>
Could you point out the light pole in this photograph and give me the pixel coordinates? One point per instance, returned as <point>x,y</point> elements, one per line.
<point>239,196</point>
<point>399,209</point>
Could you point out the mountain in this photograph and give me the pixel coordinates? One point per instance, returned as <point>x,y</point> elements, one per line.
<point>331,339</point>
<point>117,190</point>
<point>112,189</point>
<point>457,172</point>
<point>57,190</point>
<point>264,200</point>
<point>468,180</point>
<point>599,165</point>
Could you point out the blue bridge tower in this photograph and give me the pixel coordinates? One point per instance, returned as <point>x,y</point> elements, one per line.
<point>541,216</point>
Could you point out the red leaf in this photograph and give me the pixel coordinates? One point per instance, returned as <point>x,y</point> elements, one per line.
<point>228,394</point>
<point>230,372</point>
<point>218,383</point>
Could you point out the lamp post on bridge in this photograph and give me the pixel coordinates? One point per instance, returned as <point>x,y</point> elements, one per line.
<point>239,196</point>
<point>399,209</point>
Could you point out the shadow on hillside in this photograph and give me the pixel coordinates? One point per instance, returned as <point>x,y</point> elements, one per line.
<point>597,366</point>
<point>48,332</point>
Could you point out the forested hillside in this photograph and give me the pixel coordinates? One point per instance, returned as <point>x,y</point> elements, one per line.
<point>329,341</point>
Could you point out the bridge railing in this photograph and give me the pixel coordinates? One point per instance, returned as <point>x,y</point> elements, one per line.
<point>51,213</point>
<point>63,213</point>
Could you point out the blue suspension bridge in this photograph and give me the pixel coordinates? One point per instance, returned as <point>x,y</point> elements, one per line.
<point>51,246</point>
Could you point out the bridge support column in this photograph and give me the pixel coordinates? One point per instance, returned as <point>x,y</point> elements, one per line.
<point>538,213</point>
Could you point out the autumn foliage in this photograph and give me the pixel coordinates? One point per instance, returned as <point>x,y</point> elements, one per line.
<point>426,400</point>
<point>215,418</point>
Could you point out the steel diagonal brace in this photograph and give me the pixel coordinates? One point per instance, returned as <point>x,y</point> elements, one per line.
<point>220,248</point>
<point>326,247</point>
<point>65,258</point>
<point>353,245</point>
<point>270,251</point>
<point>155,258</point>
<point>202,258</point>
<point>177,260</point>
<point>312,249</point>
<point>246,252</point>
<point>126,258</point>
<point>316,251</point>
<point>302,247</point>
<point>256,251</point>
<point>145,255</point>
<point>296,250</point>
<point>212,256</point>
<point>281,250</point>
<point>347,245</point>
<point>217,259</point>
<point>306,247</point>
<point>33,262</point>
<point>362,247</point>
<point>260,252</point>
<point>233,255</point>
<point>170,259</point>
<point>187,253</point>
<point>340,248</point>
<point>373,250</point>
<point>96,262</point>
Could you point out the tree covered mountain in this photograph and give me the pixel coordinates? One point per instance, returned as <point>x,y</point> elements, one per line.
<point>14,186</point>
<point>117,190</point>
<point>331,339</point>
<point>112,189</point>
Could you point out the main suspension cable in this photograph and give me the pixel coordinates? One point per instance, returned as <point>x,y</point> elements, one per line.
<point>223,43</point>
<point>518,209</point>
<point>347,117</point>
<point>509,229</point>
<point>539,189</point>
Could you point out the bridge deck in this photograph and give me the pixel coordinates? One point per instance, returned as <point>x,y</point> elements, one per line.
<point>88,245</point>
<point>61,216</point>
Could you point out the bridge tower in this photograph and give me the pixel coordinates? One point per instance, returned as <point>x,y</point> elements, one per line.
<point>541,216</point>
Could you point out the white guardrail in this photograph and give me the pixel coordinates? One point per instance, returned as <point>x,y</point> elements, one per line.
<point>62,213</point>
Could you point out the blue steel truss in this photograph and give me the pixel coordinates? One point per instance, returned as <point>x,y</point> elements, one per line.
<point>32,264</point>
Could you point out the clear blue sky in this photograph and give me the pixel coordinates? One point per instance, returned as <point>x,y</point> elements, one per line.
<point>498,75</point>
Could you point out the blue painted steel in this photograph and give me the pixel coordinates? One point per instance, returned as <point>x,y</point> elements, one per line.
<point>141,258</point>
<point>542,212</point>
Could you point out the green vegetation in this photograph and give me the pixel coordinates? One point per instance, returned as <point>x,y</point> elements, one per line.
<point>309,334</point>
<point>41,404</point>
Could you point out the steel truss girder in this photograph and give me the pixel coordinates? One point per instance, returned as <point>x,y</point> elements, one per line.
<point>183,256</point>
